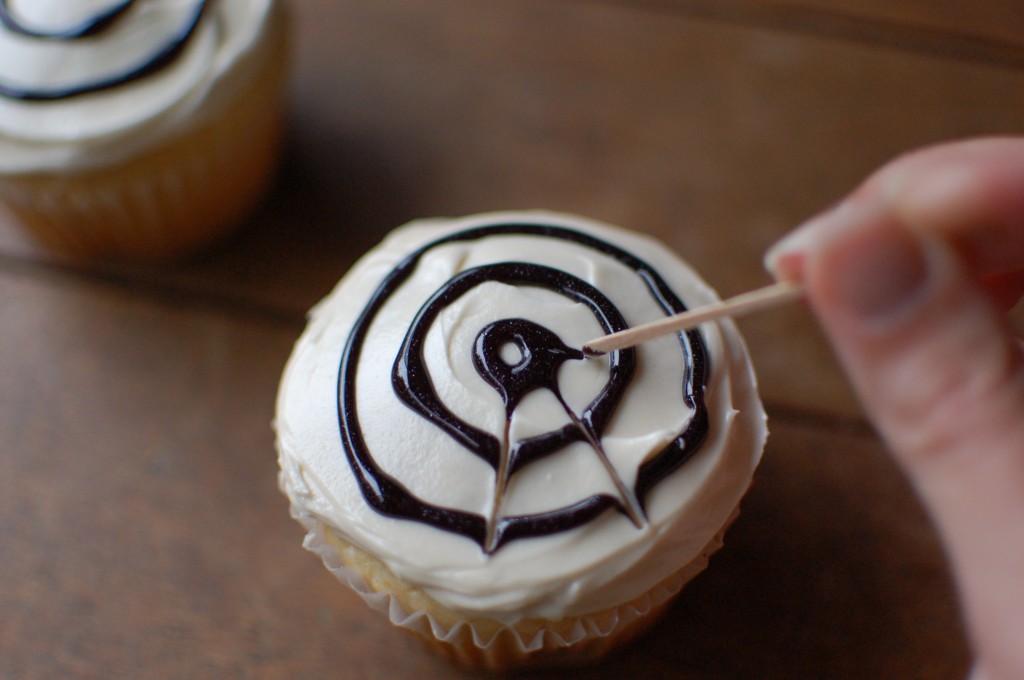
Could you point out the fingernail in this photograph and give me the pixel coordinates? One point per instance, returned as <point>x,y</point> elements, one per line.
<point>874,271</point>
<point>784,260</point>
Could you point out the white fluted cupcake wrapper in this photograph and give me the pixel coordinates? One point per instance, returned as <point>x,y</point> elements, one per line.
<point>597,633</point>
<point>143,213</point>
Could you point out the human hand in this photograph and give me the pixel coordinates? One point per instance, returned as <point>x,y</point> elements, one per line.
<point>910,277</point>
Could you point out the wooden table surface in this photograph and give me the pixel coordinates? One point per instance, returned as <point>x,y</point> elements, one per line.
<point>141,531</point>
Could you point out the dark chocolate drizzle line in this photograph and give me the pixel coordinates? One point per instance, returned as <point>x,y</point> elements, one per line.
<point>413,385</point>
<point>91,27</point>
<point>95,24</point>
<point>543,354</point>
<point>539,354</point>
<point>389,497</point>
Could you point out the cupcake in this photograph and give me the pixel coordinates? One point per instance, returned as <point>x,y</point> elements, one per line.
<point>459,462</point>
<point>137,129</point>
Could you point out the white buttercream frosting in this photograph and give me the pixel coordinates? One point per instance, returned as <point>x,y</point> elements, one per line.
<point>109,123</point>
<point>601,564</point>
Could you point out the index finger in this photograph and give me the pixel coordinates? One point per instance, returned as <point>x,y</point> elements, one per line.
<point>969,194</point>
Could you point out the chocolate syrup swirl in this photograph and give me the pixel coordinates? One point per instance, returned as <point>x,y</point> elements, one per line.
<point>540,355</point>
<point>92,27</point>
<point>412,382</point>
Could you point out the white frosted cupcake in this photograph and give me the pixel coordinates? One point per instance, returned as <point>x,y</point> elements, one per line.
<point>460,464</point>
<point>137,128</point>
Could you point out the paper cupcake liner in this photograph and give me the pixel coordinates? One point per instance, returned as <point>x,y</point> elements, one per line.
<point>176,197</point>
<point>578,640</point>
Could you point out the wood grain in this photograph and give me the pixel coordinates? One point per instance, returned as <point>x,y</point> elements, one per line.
<point>141,531</point>
<point>716,138</point>
<point>989,31</point>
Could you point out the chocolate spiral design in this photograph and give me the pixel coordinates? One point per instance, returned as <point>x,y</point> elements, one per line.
<point>541,353</point>
<point>92,27</point>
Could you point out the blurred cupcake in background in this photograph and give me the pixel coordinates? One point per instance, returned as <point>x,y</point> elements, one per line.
<point>138,128</point>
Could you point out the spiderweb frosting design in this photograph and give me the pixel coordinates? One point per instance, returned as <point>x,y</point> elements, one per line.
<point>36,41</point>
<point>516,357</point>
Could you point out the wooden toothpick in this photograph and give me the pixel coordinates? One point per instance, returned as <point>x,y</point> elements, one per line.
<point>745,303</point>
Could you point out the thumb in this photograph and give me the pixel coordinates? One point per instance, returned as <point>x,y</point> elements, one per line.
<point>940,374</point>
